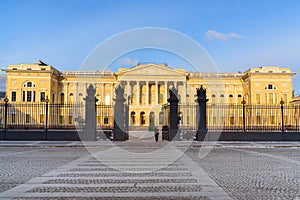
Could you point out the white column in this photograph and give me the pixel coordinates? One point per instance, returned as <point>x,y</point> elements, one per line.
<point>192,98</point>
<point>184,93</point>
<point>235,95</point>
<point>156,93</point>
<point>102,93</point>
<point>166,92</point>
<point>147,93</point>
<point>76,93</point>
<point>67,94</point>
<point>111,93</point>
<point>226,93</point>
<point>128,90</point>
<point>137,93</point>
<point>175,84</point>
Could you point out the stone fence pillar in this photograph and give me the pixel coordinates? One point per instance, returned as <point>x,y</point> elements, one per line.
<point>119,115</point>
<point>90,114</point>
<point>202,128</point>
<point>173,100</point>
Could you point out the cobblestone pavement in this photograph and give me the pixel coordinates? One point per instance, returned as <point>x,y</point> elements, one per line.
<point>231,171</point>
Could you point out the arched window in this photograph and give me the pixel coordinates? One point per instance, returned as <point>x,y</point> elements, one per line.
<point>161,118</point>
<point>222,98</point>
<point>132,117</point>
<point>107,99</point>
<point>240,99</point>
<point>160,98</point>
<point>71,98</point>
<point>152,119</point>
<point>231,100</point>
<point>80,99</point>
<point>213,98</point>
<point>62,98</point>
<point>271,87</point>
<point>28,84</point>
<point>28,93</point>
<point>142,118</point>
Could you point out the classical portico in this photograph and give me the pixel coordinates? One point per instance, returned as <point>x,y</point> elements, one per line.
<point>146,88</point>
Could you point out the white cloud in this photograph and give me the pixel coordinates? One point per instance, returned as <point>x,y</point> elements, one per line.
<point>128,61</point>
<point>214,35</point>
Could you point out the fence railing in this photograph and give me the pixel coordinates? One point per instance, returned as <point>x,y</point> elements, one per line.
<point>220,117</point>
<point>51,116</point>
<point>240,118</point>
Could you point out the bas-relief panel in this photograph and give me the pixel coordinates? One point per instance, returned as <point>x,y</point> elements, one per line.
<point>152,71</point>
<point>13,81</point>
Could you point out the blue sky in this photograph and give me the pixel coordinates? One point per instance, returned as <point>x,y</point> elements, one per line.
<point>236,34</point>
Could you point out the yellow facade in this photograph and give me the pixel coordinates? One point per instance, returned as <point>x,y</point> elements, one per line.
<point>146,86</point>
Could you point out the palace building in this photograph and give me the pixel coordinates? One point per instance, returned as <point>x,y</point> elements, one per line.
<point>146,87</point>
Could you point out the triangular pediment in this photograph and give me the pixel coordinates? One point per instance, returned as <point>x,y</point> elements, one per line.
<point>151,70</point>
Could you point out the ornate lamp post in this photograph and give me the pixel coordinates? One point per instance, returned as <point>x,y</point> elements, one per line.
<point>282,116</point>
<point>5,116</point>
<point>244,120</point>
<point>46,120</point>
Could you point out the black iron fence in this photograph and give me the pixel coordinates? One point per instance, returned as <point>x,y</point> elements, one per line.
<point>248,118</point>
<point>50,116</point>
<point>220,117</point>
<point>105,117</point>
<point>240,118</point>
<point>41,116</point>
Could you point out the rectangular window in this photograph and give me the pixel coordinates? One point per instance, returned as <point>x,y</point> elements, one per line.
<point>258,98</point>
<point>23,96</point>
<point>241,120</point>
<point>105,120</point>
<point>13,118</point>
<point>33,99</point>
<point>42,118</point>
<point>223,121</point>
<point>231,120</point>
<point>27,118</point>
<point>61,119</point>
<point>98,119</point>
<point>214,121</point>
<point>271,100</point>
<point>285,119</point>
<point>42,96</point>
<point>29,96</point>
<point>258,120</point>
<point>13,96</point>
<point>272,120</point>
<point>53,98</point>
<point>70,119</point>
<point>285,99</point>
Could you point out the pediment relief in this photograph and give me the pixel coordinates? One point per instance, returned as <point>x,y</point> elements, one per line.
<point>151,70</point>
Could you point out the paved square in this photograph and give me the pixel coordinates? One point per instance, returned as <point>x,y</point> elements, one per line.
<point>148,170</point>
